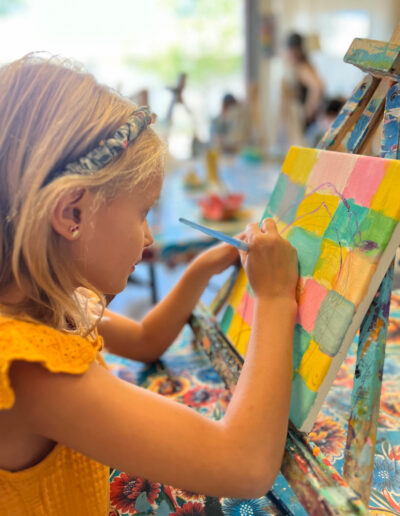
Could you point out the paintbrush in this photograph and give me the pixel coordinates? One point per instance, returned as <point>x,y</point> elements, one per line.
<point>239,244</point>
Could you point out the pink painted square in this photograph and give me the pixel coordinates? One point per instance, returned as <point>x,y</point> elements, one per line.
<point>331,172</point>
<point>365,179</point>
<point>310,301</point>
<point>246,308</point>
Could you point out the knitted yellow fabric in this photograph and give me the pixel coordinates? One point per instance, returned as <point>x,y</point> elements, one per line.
<point>65,482</point>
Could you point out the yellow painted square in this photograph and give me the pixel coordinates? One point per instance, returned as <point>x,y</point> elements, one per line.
<point>330,263</point>
<point>239,333</point>
<point>281,226</point>
<point>315,212</point>
<point>238,289</point>
<point>313,366</point>
<point>384,199</point>
<point>355,276</point>
<point>290,159</point>
<point>298,164</point>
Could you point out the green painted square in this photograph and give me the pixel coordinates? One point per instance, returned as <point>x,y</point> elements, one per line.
<point>227,319</point>
<point>333,320</point>
<point>301,401</point>
<point>378,228</point>
<point>249,289</point>
<point>266,215</point>
<point>277,195</point>
<point>343,226</point>
<point>301,341</point>
<point>287,198</point>
<point>308,248</point>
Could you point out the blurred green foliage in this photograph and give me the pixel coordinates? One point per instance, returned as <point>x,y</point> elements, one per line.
<point>9,6</point>
<point>201,8</point>
<point>199,68</point>
<point>211,30</point>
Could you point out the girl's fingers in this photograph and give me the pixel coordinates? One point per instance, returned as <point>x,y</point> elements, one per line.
<point>251,227</point>
<point>269,226</point>
<point>241,236</point>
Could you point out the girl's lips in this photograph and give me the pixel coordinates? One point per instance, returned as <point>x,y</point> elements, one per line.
<point>134,265</point>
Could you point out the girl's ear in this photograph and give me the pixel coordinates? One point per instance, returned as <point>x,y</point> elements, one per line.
<point>67,215</point>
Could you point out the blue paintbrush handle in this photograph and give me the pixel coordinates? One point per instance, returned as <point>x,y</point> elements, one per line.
<point>243,246</point>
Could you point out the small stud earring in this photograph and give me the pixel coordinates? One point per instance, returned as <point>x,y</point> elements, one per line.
<point>74,231</point>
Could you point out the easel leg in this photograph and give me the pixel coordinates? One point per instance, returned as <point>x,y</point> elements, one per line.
<point>363,421</point>
<point>153,283</point>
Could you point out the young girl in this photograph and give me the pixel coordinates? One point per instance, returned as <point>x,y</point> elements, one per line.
<point>79,170</point>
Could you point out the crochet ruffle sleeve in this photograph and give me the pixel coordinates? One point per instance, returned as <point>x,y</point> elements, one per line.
<point>56,351</point>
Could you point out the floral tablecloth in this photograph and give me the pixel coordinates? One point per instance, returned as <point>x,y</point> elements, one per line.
<point>186,375</point>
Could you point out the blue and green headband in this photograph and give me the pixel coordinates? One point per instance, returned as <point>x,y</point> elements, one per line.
<point>108,149</point>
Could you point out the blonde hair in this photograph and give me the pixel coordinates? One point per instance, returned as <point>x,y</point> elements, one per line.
<point>52,113</point>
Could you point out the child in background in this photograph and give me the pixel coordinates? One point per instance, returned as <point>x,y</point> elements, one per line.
<point>229,129</point>
<point>79,170</point>
<point>328,115</point>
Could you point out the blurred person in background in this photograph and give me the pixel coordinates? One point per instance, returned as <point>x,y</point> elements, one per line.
<point>301,92</point>
<point>229,129</point>
<point>330,110</point>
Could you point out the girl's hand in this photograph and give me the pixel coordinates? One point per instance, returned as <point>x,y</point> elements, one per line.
<point>271,263</point>
<point>218,258</point>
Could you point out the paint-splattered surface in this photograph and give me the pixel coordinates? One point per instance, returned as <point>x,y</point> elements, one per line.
<point>374,56</point>
<point>339,211</point>
<point>186,376</point>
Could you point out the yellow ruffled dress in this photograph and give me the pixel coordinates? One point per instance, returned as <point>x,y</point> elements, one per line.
<point>64,483</point>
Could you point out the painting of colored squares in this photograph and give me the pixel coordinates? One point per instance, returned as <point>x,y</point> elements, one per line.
<point>341,212</point>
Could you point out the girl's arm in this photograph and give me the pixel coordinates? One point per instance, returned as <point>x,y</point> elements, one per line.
<point>147,340</point>
<point>148,435</point>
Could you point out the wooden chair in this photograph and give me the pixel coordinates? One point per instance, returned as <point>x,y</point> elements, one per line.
<point>318,486</point>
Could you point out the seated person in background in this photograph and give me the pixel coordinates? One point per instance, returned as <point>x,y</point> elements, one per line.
<point>302,91</point>
<point>330,111</point>
<point>228,131</point>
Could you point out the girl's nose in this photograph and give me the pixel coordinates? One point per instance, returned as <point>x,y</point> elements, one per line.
<point>148,237</point>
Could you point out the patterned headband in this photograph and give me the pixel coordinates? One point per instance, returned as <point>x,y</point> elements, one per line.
<point>108,149</point>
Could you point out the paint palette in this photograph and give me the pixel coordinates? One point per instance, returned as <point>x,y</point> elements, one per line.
<point>341,212</point>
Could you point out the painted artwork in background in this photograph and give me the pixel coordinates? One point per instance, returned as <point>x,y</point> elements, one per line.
<point>341,212</point>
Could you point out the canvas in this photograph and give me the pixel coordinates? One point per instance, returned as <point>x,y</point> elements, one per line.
<point>341,212</point>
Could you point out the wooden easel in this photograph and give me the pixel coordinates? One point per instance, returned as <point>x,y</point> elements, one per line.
<point>177,98</point>
<point>318,486</point>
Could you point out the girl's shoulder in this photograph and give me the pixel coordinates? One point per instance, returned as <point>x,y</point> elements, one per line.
<point>57,351</point>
